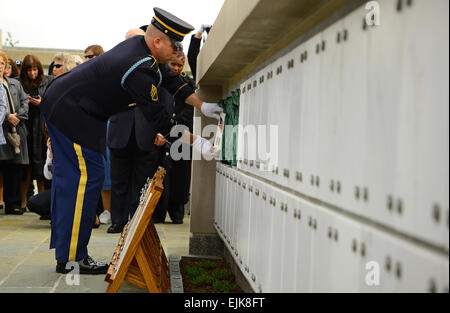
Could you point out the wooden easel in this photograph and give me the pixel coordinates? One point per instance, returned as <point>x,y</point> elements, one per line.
<point>139,257</point>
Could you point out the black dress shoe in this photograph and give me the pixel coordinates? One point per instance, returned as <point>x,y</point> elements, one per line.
<point>177,221</point>
<point>86,266</point>
<point>15,211</point>
<point>115,229</point>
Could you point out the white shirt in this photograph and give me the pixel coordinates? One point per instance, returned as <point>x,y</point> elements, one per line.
<point>48,167</point>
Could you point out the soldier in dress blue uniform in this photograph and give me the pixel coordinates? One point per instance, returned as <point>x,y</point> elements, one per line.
<point>76,107</point>
<point>134,156</point>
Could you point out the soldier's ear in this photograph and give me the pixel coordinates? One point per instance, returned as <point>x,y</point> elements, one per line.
<point>157,41</point>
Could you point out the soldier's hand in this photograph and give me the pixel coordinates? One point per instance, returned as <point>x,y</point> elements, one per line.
<point>205,147</point>
<point>204,27</point>
<point>160,140</point>
<point>211,110</point>
<point>186,138</point>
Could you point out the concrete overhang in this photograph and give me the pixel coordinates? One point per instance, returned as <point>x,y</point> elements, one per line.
<point>247,33</point>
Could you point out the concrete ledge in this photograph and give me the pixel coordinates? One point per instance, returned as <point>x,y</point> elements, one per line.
<point>247,33</point>
<point>206,245</point>
<point>176,280</point>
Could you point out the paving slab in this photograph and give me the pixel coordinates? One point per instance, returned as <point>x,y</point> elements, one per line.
<point>27,265</point>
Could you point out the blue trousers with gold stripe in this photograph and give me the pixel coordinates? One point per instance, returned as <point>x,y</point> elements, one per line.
<point>78,175</point>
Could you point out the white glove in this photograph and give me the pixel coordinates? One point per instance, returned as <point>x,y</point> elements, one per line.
<point>204,27</point>
<point>205,147</point>
<point>211,110</point>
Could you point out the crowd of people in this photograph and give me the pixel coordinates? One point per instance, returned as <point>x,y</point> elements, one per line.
<point>23,141</point>
<point>131,157</point>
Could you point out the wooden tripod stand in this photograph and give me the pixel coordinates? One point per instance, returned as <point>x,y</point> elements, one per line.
<point>139,257</point>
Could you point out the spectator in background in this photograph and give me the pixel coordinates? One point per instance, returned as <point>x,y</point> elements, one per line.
<point>178,173</point>
<point>18,66</point>
<point>34,83</point>
<point>41,203</point>
<point>92,52</point>
<point>14,154</point>
<point>12,71</point>
<point>104,214</point>
<point>3,102</point>
<point>194,48</point>
<point>50,68</point>
<point>63,63</point>
<point>77,59</point>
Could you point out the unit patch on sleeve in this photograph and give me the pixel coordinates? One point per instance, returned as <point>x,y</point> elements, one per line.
<point>154,93</point>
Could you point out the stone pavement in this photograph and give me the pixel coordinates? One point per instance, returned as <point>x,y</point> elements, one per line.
<point>28,266</point>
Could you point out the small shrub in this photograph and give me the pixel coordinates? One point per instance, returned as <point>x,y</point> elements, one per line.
<point>224,274</point>
<point>202,280</point>
<point>223,286</point>
<point>194,272</point>
<point>207,265</point>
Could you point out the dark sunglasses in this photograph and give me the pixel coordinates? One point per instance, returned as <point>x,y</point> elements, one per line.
<point>57,65</point>
<point>90,56</point>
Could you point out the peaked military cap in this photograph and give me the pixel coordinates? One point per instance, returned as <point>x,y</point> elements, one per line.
<point>171,25</point>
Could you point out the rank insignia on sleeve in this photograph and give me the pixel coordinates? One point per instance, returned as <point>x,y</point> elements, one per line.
<point>154,93</point>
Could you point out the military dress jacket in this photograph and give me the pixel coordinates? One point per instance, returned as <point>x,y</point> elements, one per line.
<point>121,125</point>
<point>80,102</point>
<point>183,111</point>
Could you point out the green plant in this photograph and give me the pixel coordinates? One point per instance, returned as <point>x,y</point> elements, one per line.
<point>224,274</point>
<point>202,280</point>
<point>207,265</point>
<point>9,41</point>
<point>223,286</point>
<point>194,272</point>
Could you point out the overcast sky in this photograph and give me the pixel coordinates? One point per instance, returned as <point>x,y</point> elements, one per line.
<point>77,24</point>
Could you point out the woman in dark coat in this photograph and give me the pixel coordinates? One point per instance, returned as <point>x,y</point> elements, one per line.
<point>34,82</point>
<point>13,161</point>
